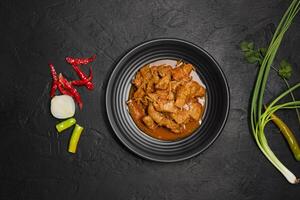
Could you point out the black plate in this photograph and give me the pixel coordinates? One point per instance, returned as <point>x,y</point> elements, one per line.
<point>217,107</point>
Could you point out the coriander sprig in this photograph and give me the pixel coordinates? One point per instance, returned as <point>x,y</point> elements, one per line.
<point>252,56</point>
<point>256,56</point>
<point>285,70</point>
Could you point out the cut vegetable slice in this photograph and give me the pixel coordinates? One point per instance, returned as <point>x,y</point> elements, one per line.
<point>75,138</point>
<point>62,107</point>
<point>65,124</point>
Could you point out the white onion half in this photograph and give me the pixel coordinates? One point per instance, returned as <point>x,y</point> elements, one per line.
<point>62,106</point>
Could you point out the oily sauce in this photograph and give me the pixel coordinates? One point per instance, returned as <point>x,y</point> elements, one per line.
<point>163,133</point>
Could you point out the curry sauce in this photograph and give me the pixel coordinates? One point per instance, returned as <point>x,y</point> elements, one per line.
<point>164,101</point>
<point>163,133</point>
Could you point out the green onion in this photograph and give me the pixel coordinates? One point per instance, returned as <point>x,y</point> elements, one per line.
<point>75,138</point>
<point>258,119</point>
<point>65,124</point>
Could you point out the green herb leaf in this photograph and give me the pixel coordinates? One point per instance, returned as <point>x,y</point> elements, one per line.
<point>285,69</point>
<point>248,54</point>
<point>246,46</point>
<point>263,51</point>
<point>252,59</point>
<point>251,45</point>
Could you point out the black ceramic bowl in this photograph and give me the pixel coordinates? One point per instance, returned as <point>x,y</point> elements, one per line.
<point>217,105</point>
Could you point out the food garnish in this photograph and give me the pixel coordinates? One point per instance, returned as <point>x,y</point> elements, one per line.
<point>56,84</point>
<point>67,87</point>
<point>258,118</point>
<point>62,106</point>
<point>284,70</point>
<point>80,61</point>
<point>72,91</point>
<point>65,124</point>
<point>75,138</point>
<point>84,79</point>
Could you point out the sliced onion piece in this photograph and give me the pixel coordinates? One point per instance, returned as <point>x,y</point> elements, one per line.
<point>62,106</point>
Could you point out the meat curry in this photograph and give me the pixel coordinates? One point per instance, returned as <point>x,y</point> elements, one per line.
<point>164,101</point>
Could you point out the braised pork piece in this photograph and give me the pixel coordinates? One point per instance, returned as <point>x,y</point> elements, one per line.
<point>164,101</point>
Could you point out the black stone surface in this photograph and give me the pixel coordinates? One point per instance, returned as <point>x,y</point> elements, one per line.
<point>34,162</point>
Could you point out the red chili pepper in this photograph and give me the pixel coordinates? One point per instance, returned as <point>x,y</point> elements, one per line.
<point>65,87</point>
<point>80,61</point>
<point>89,85</point>
<point>54,80</point>
<point>73,92</point>
<point>62,89</point>
<point>84,82</point>
<point>76,62</point>
<point>56,84</point>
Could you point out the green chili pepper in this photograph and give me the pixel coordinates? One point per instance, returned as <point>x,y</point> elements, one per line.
<point>65,124</point>
<point>75,138</point>
<point>288,134</point>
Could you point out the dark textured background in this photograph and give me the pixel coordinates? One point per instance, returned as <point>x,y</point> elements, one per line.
<point>34,162</point>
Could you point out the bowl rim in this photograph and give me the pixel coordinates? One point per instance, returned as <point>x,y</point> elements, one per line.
<point>128,53</point>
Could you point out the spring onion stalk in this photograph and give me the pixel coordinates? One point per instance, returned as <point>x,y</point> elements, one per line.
<point>258,119</point>
<point>65,124</point>
<point>75,138</point>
